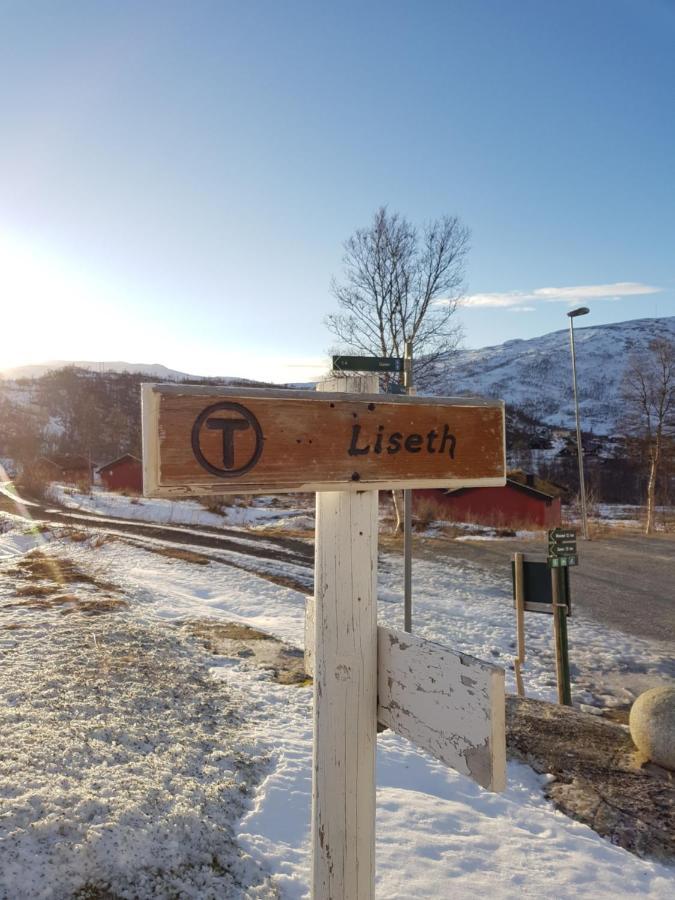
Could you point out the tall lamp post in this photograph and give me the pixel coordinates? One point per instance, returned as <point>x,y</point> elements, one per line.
<point>581,311</point>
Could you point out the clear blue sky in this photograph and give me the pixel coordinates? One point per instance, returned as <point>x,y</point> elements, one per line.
<point>177,178</point>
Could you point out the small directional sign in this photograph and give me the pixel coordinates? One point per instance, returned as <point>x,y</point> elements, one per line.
<point>562,548</point>
<point>367,364</point>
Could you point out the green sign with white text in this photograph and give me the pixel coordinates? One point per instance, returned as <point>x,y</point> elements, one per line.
<point>367,364</point>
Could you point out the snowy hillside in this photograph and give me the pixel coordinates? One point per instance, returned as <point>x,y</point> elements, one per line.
<point>154,370</point>
<point>536,374</point>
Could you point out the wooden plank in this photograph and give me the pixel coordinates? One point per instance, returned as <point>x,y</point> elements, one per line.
<point>205,440</point>
<point>436,719</point>
<point>345,693</point>
<point>447,703</point>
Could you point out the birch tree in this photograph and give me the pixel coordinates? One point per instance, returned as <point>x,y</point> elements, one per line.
<point>401,284</point>
<point>649,395</point>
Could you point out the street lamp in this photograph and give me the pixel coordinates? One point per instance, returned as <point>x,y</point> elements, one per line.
<point>581,311</point>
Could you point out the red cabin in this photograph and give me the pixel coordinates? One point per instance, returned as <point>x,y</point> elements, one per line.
<point>123,474</point>
<point>520,503</point>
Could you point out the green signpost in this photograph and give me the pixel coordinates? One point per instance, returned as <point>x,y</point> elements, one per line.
<point>535,592</point>
<point>367,364</point>
<point>562,552</point>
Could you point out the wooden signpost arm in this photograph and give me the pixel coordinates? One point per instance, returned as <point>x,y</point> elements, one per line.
<point>345,687</point>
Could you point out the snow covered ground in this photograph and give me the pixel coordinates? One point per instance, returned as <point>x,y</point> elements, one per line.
<point>125,745</point>
<point>256,513</point>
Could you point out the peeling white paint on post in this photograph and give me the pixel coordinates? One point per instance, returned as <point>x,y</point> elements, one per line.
<point>345,687</point>
<point>309,637</point>
<point>448,703</point>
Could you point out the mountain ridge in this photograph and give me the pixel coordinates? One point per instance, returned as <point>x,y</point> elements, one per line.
<point>535,374</point>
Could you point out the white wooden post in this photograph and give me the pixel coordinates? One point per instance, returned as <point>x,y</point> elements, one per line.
<point>345,686</point>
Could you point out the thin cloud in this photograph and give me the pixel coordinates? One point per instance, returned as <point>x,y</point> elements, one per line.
<point>520,300</point>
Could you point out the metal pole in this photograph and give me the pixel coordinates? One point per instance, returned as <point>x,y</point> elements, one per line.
<point>407,511</point>
<point>562,666</point>
<point>580,450</point>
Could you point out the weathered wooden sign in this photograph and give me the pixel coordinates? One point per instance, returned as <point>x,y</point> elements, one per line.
<point>448,703</point>
<point>205,440</point>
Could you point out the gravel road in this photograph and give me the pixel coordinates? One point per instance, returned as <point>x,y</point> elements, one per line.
<point>626,582</point>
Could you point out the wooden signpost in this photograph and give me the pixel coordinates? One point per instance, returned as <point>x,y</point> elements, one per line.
<point>345,442</point>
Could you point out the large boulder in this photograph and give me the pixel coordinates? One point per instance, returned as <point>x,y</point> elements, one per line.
<point>652,725</point>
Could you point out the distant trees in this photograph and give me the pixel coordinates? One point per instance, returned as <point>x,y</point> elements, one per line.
<point>649,398</point>
<point>400,284</point>
<point>96,414</point>
<point>71,411</point>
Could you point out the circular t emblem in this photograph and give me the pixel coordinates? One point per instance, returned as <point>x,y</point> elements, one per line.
<point>227,439</point>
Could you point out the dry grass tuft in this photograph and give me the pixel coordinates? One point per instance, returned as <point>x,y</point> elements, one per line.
<point>210,631</point>
<point>184,555</point>
<point>35,590</point>
<point>70,603</point>
<point>37,566</point>
<point>76,535</point>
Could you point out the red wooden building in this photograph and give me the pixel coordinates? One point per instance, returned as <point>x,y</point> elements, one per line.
<point>123,474</point>
<point>523,501</point>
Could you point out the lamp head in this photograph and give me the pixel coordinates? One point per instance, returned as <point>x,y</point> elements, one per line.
<point>581,311</point>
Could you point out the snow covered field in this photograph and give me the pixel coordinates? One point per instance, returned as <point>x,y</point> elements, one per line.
<point>257,513</point>
<point>132,760</point>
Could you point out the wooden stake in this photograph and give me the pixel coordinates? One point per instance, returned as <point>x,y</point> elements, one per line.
<point>520,623</point>
<point>345,687</point>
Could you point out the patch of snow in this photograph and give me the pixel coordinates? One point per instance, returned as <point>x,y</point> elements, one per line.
<point>438,834</point>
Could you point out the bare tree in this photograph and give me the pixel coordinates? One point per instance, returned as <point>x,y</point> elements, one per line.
<point>401,285</point>
<point>649,395</point>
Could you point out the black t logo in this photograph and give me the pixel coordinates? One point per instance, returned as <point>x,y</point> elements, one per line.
<point>229,428</point>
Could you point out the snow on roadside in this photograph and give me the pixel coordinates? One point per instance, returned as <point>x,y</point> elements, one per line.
<point>467,607</point>
<point>439,835</point>
<point>169,512</point>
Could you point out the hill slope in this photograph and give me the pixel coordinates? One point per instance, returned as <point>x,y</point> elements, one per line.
<point>536,374</point>
<point>154,370</point>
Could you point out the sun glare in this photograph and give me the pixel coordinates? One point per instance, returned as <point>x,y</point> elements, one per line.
<point>45,305</point>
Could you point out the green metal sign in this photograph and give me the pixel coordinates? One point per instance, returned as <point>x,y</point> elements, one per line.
<point>537,588</point>
<point>560,562</point>
<point>367,364</point>
<point>562,548</point>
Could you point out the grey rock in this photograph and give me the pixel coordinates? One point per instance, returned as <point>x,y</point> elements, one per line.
<point>652,725</point>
